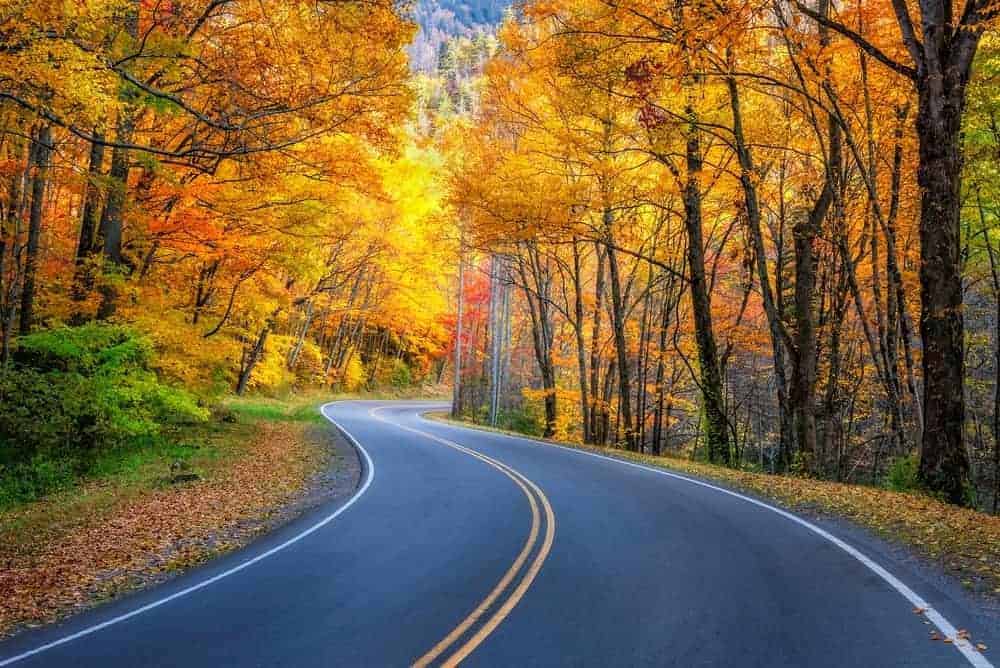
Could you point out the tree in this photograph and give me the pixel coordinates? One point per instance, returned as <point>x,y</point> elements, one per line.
<point>941,54</point>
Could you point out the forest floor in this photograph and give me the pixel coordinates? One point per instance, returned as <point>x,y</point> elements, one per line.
<point>965,543</point>
<point>256,466</point>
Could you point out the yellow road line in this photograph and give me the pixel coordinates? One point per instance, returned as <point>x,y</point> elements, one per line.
<point>522,587</point>
<point>518,593</point>
<point>474,616</point>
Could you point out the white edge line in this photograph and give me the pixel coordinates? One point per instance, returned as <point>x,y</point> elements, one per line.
<point>974,657</point>
<point>369,465</point>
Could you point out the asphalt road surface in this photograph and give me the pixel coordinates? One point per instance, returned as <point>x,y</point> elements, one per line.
<point>473,547</point>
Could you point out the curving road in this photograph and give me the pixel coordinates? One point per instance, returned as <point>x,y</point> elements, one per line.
<point>472,547</point>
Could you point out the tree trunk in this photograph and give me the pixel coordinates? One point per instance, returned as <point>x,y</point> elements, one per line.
<point>942,54</point>
<point>662,410</point>
<point>499,304</point>
<point>110,229</point>
<point>300,339</point>
<point>604,426</point>
<point>581,346</point>
<point>771,308</point>
<point>83,278</point>
<point>337,341</point>
<point>598,407</point>
<point>536,281</point>
<point>804,367</point>
<point>92,201</point>
<point>456,396</point>
<point>42,152</point>
<point>716,427</point>
<point>898,319</point>
<point>205,288</point>
<point>995,284</point>
<point>944,462</point>
<point>13,216</point>
<point>621,344</point>
<point>253,355</point>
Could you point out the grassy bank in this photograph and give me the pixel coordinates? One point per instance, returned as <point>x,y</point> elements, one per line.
<point>964,542</point>
<point>200,490</point>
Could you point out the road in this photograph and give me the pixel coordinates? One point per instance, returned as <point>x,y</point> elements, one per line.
<point>474,547</point>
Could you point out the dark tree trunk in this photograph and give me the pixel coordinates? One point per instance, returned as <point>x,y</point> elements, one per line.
<point>996,415</point>
<point>804,366</point>
<point>41,154</point>
<point>536,281</point>
<point>253,355</point>
<point>10,252</point>
<point>944,463</point>
<point>91,203</point>
<point>581,346</point>
<point>337,340</point>
<point>598,406</point>
<point>112,219</point>
<point>662,410</point>
<point>941,52</point>
<point>456,398</point>
<point>83,278</point>
<point>716,426</point>
<point>110,229</point>
<point>604,425</point>
<point>995,284</point>
<point>833,424</point>
<point>897,323</point>
<point>300,339</point>
<point>621,343</point>
<point>775,326</point>
<point>898,327</point>
<point>205,289</point>
<point>645,336</point>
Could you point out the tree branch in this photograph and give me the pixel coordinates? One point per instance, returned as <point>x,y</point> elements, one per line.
<point>860,41</point>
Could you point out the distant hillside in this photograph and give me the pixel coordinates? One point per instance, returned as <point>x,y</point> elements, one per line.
<point>469,14</point>
<point>440,20</point>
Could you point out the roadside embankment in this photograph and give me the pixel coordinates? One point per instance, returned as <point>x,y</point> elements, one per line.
<point>255,465</point>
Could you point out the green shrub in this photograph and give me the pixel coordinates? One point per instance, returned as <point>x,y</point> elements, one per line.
<point>73,393</point>
<point>902,475</point>
<point>400,376</point>
<point>523,420</point>
<point>84,350</point>
<point>33,479</point>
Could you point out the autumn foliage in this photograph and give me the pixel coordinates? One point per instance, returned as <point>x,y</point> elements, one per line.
<point>736,230</point>
<point>753,232</point>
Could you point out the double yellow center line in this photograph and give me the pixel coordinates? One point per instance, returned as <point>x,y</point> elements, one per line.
<point>505,595</point>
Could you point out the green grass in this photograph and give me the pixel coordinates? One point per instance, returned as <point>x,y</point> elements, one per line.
<point>137,461</point>
<point>293,408</point>
<point>144,462</point>
<point>120,474</point>
<point>304,406</point>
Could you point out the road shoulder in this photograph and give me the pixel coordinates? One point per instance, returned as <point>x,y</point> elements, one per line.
<point>133,542</point>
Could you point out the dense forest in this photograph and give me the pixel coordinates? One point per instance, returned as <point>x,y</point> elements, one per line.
<point>202,198</point>
<point>440,21</point>
<point>761,234</point>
